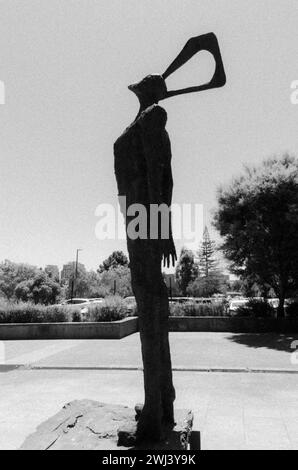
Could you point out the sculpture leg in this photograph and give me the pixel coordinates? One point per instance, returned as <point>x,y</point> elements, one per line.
<point>167,388</point>
<point>153,309</point>
<point>149,424</point>
<point>145,268</point>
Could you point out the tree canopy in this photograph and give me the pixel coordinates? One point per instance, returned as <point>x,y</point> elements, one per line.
<point>11,274</point>
<point>186,270</point>
<point>257,216</point>
<point>116,259</point>
<point>40,289</point>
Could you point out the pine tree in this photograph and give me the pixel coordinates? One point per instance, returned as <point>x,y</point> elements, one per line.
<point>207,261</point>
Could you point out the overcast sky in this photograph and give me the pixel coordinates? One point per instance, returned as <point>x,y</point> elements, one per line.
<point>66,65</point>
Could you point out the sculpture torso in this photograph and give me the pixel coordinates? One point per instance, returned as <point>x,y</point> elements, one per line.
<point>143,160</point>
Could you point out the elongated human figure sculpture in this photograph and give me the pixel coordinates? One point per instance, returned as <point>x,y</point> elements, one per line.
<point>144,177</point>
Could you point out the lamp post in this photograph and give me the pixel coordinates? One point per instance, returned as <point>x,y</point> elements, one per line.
<point>76,273</point>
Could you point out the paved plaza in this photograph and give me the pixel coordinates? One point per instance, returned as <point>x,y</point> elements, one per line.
<point>242,388</point>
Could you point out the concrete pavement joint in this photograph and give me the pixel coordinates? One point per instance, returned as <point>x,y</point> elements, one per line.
<point>10,367</point>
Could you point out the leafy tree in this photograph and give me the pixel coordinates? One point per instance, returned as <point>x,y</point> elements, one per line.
<point>92,284</point>
<point>11,274</point>
<point>68,271</point>
<point>41,289</point>
<point>206,286</point>
<point>115,279</point>
<point>186,270</point>
<point>207,261</point>
<point>116,259</point>
<point>53,272</point>
<point>236,285</point>
<point>258,217</point>
<point>87,284</point>
<point>68,275</point>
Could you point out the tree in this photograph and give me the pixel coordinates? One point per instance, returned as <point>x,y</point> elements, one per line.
<point>116,259</point>
<point>236,285</point>
<point>41,289</point>
<point>68,275</point>
<point>11,274</point>
<point>186,270</point>
<point>207,261</point>
<point>206,286</point>
<point>115,280</point>
<point>258,217</point>
<point>86,283</point>
<point>53,272</point>
<point>68,271</point>
<point>209,280</point>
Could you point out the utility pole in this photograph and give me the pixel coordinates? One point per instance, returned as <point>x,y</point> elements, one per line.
<point>76,273</point>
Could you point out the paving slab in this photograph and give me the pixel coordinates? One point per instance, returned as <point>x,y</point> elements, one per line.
<point>232,411</point>
<point>214,351</point>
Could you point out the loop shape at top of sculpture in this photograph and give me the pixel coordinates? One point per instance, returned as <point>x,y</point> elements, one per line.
<point>206,42</point>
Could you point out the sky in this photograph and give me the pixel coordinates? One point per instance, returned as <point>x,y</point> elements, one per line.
<point>66,65</point>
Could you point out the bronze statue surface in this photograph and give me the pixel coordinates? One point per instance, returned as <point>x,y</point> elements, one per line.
<point>144,177</point>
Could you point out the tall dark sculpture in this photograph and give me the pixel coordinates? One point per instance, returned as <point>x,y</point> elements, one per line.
<point>144,176</point>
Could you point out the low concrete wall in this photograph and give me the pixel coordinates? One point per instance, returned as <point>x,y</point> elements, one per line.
<point>98,330</point>
<point>128,326</point>
<point>233,324</point>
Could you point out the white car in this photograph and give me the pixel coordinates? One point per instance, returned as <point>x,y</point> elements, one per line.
<point>75,301</point>
<point>81,303</point>
<point>77,304</point>
<point>273,303</point>
<point>235,304</point>
<point>98,300</point>
<point>130,302</point>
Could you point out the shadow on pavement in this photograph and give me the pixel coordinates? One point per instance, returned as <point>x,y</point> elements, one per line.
<point>277,341</point>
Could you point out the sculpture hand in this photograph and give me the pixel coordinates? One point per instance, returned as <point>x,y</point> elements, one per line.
<point>169,253</point>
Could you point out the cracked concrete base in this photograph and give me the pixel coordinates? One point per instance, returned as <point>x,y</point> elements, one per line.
<point>90,425</point>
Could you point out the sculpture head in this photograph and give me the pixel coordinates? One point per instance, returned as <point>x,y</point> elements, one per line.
<point>153,88</point>
<point>150,90</point>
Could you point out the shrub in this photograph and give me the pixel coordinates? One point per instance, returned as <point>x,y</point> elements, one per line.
<point>256,309</point>
<point>26,312</point>
<point>57,313</point>
<point>113,308</point>
<point>292,309</point>
<point>192,309</point>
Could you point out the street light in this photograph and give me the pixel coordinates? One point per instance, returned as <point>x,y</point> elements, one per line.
<point>76,273</point>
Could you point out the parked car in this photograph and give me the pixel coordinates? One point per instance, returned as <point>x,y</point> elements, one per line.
<point>235,304</point>
<point>75,301</point>
<point>273,303</point>
<point>97,300</point>
<point>203,300</point>
<point>180,300</point>
<point>130,302</point>
<point>81,303</point>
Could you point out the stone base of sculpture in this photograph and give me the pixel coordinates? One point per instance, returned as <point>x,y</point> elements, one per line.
<point>90,425</point>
